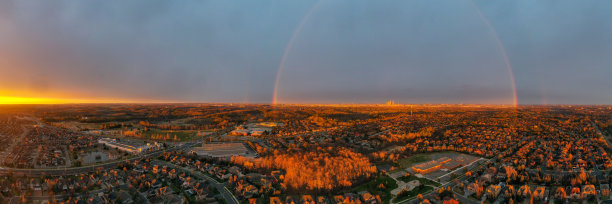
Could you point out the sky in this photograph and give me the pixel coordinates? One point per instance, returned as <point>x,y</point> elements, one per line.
<point>327,51</point>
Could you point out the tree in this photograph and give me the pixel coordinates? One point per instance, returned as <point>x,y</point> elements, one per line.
<point>324,169</point>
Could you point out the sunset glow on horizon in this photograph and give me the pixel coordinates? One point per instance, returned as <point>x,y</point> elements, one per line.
<point>306,52</point>
<point>354,101</point>
<point>25,96</point>
<point>28,100</point>
<point>51,100</point>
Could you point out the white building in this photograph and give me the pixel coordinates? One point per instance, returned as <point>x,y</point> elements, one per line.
<point>131,147</point>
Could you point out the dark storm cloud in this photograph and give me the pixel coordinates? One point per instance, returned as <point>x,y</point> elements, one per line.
<point>347,51</point>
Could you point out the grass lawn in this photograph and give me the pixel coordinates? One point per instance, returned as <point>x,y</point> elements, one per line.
<point>411,194</point>
<point>412,160</point>
<point>373,187</point>
<point>422,180</point>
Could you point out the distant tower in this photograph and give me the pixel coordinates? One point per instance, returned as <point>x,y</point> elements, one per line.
<point>391,103</point>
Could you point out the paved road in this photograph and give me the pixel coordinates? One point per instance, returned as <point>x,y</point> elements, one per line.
<point>59,196</point>
<point>605,137</point>
<point>598,172</point>
<point>227,195</point>
<point>461,198</point>
<point>77,170</point>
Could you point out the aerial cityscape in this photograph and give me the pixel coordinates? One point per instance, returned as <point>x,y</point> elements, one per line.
<point>387,153</point>
<point>305,102</point>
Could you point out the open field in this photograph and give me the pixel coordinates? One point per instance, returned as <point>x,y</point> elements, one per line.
<point>412,194</point>
<point>456,160</point>
<point>411,177</point>
<point>373,186</point>
<point>412,160</point>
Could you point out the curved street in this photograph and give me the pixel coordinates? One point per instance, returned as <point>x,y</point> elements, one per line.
<point>221,187</point>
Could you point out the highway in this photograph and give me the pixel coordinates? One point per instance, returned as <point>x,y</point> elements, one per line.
<point>225,193</point>
<point>83,169</point>
<point>77,170</point>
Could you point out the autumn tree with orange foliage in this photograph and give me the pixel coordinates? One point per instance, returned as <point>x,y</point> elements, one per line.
<point>451,201</point>
<point>323,169</point>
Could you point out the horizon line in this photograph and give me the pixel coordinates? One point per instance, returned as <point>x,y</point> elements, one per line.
<point>289,104</point>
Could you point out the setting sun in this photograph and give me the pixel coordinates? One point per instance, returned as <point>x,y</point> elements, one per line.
<point>48,100</point>
<point>326,102</point>
<point>27,100</point>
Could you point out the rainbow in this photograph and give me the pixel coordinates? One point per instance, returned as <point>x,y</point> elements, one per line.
<point>502,49</point>
<point>296,32</point>
<point>306,17</point>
